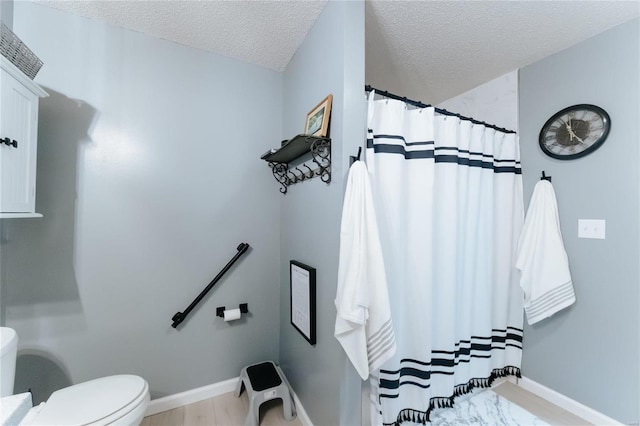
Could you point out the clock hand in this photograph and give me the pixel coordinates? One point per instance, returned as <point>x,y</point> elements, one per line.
<point>572,133</point>
<point>570,130</point>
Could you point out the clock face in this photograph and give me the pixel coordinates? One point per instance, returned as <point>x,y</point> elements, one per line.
<point>575,132</point>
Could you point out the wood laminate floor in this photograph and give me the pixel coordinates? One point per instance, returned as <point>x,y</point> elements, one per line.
<point>227,410</point>
<point>540,407</point>
<point>223,410</point>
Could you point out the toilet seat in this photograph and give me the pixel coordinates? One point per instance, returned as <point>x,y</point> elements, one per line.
<point>101,401</point>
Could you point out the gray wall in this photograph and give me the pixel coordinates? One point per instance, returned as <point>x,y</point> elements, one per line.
<point>6,12</point>
<point>6,16</point>
<point>148,178</point>
<point>311,211</point>
<point>590,351</point>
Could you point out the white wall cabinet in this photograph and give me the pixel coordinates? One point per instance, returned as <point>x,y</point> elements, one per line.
<point>19,99</point>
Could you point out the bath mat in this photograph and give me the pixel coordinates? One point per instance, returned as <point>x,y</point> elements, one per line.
<point>485,408</point>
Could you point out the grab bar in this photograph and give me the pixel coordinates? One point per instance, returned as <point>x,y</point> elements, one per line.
<point>180,316</point>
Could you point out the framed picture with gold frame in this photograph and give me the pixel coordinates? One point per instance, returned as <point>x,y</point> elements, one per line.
<point>318,118</point>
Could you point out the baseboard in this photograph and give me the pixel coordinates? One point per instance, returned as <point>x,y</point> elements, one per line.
<point>211,391</point>
<point>562,401</point>
<point>191,396</point>
<point>302,414</point>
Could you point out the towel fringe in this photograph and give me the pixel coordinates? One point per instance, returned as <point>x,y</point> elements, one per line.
<point>423,417</point>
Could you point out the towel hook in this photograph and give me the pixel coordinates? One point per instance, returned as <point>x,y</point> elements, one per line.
<point>354,158</point>
<point>310,171</point>
<point>303,175</point>
<point>545,177</point>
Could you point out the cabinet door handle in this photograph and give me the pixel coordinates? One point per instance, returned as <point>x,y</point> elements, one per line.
<point>7,141</point>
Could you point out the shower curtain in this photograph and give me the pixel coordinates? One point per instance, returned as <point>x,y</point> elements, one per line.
<point>448,197</point>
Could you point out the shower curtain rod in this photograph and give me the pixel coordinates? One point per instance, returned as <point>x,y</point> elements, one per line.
<point>419,104</point>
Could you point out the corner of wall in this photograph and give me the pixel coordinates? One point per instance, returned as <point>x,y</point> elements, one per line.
<point>310,211</point>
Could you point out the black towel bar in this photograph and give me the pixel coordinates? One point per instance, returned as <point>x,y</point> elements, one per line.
<point>180,316</point>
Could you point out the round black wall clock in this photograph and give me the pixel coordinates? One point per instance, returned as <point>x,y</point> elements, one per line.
<point>574,132</point>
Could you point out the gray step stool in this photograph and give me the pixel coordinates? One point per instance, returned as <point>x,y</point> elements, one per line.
<point>265,381</point>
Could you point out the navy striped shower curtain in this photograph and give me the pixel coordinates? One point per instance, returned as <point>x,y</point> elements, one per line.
<point>448,197</point>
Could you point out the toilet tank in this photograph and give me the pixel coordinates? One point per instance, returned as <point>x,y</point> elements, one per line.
<point>8,352</point>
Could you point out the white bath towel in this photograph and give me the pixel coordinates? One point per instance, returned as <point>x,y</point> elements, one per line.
<point>545,279</point>
<point>363,322</point>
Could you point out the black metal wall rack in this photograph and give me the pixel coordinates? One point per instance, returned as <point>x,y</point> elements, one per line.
<point>279,159</point>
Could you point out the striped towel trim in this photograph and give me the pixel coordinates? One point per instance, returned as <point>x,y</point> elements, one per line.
<point>550,303</point>
<point>381,343</point>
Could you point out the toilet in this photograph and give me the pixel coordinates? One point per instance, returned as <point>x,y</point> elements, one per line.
<point>119,400</point>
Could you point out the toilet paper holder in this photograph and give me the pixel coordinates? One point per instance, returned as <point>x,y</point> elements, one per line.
<point>244,308</point>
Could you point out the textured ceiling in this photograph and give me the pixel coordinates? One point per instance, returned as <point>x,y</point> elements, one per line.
<point>434,50</point>
<point>426,50</point>
<point>265,33</point>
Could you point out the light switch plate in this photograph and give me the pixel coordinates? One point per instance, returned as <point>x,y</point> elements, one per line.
<point>592,228</point>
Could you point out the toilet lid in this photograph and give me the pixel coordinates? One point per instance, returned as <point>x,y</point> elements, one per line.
<point>91,401</point>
